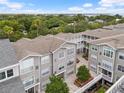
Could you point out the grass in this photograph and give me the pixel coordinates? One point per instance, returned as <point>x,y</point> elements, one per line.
<point>101,90</point>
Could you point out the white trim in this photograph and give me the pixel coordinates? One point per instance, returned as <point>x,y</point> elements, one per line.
<point>32,86</point>
<point>107,45</point>
<point>62,45</point>
<point>33,56</point>
<point>60,72</point>
<point>59,47</point>
<point>29,56</point>
<point>115,85</point>
<point>9,67</point>
<point>6,77</point>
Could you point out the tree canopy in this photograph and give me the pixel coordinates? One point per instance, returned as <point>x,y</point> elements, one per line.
<point>56,85</point>
<point>17,26</point>
<point>83,73</point>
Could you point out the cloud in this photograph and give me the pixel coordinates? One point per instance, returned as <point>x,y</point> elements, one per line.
<point>75,9</point>
<point>87,5</point>
<point>11,5</point>
<point>111,3</point>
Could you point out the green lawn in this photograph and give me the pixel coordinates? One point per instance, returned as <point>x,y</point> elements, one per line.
<point>101,90</point>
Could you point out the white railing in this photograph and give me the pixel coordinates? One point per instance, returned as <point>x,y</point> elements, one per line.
<point>88,85</point>
<point>116,86</point>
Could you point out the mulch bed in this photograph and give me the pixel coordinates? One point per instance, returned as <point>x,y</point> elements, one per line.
<point>80,83</point>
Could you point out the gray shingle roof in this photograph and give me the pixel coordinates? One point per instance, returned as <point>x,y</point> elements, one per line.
<point>116,41</point>
<point>101,33</point>
<point>40,45</point>
<point>13,85</point>
<point>7,54</point>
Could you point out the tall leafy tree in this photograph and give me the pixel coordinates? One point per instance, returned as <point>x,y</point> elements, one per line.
<point>56,85</point>
<point>83,73</point>
<point>8,30</point>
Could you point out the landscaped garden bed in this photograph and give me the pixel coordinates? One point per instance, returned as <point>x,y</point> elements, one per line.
<point>80,83</point>
<point>102,89</point>
<point>83,76</point>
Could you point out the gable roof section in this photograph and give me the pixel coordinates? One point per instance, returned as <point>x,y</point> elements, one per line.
<point>7,54</point>
<point>38,46</point>
<point>116,42</point>
<point>101,33</point>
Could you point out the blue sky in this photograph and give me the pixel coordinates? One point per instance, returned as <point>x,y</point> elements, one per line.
<point>62,6</point>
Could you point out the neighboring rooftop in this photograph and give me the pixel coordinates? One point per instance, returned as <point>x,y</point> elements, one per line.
<point>13,85</point>
<point>38,46</point>
<point>114,41</point>
<point>101,33</point>
<point>7,54</point>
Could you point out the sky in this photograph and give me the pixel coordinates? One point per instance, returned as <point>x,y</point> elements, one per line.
<point>62,6</point>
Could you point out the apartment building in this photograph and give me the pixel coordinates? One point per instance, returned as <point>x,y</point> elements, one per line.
<point>42,57</point>
<point>74,38</point>
<point>106,56</point>
<point>81,38</point>
<point>10,81</point>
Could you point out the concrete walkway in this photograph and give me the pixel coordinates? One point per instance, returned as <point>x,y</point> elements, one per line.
<point>84,62</point>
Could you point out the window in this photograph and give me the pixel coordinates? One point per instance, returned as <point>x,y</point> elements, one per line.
<point>2,75</point>
<point>94,48</point>
<point>70,51</point>
<point>121,68</point>
<point>61,67</point>
<point>61,54</point>
<point>45,60</point>
<point>70,63</point>
<point>105,72</point>
<point>108,53</point>
<point>45,71</point>
<point>29,81</point>
<point>121,57</point>
<point>10,73</point>
<point>27,66</point>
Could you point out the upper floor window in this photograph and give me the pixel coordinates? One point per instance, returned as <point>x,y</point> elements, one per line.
<point>94,48</point>
<point>108,53</point>
<point>45,60</point>
<point>27,65</point>
<point>28,81</point>
<point>61,54</point>
<point>45,71</point>
<point>70,63</point>
<point>70,51</point>
<point>120,68</point>
<point>10,73</point>
<point>60,68</point>
<point>121,56</point>
<point>6,74</point>
<point>2,75</point>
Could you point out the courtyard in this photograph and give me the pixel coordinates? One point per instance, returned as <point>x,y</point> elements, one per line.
<point>70,80</point>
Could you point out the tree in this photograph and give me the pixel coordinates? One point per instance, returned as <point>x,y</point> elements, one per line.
<point>56,85</point>
<point>36,24</point>
<point>83,73</point>
<point>8,30</point>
